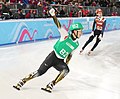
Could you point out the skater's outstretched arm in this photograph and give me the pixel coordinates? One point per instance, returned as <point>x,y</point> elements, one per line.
<point>56,21</point>
<point>62,31</point>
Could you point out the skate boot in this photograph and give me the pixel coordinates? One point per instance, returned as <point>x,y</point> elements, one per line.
<point>19,84</point>
<point>49,87</point>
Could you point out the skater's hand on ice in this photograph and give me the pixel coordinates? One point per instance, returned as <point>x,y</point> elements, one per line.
<point>52,12</point>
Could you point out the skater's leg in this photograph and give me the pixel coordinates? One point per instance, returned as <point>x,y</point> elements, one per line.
<point>64,70</point>
<point>42,69</point>
<point>60,76</point>
<point>25,79</point>
<point>32,75</point>
<point>95,45</point>
<point>87,42</point>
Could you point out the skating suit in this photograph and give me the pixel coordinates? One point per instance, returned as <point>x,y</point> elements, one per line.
<point>56,58</point>
<point>99,25</point>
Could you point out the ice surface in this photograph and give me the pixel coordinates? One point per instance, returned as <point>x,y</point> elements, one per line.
<point>91,77</point>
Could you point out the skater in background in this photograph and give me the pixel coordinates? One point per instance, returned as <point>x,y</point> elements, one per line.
<point>97,30</point>
<point>60,56</point>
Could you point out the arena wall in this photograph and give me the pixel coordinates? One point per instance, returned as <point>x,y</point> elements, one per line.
<point>32,30</point>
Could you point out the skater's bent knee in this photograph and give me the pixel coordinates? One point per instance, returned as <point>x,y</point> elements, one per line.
<point>66,71</point>
<point>41,72</point>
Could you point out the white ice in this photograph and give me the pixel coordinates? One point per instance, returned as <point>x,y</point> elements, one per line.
<point>91,77</point>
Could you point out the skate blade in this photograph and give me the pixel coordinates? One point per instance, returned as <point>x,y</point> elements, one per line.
<point>45,89</point>
<point>16,87</point>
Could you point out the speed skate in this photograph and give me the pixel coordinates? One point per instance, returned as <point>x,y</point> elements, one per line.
<point>47,89</point>
<point>16,87</point>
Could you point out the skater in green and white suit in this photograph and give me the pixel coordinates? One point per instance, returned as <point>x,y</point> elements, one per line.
<point>60,56</point>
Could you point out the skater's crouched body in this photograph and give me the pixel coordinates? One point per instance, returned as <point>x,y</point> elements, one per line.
<point>60,56</point>
<point>53,61</point>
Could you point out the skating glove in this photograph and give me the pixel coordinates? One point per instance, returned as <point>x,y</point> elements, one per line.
<point>52,12</point>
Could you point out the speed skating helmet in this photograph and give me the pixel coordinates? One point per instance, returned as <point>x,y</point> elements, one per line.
<point>76,26</point>
<point>99,11</point>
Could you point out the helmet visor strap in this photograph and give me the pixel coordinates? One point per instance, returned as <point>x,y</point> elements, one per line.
<point>77,35</point>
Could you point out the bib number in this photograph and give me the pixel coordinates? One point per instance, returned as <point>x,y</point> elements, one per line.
<point>99,28</point>
<point>64,53</point>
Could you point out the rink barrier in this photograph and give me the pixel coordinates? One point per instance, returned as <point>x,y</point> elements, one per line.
<point>32,30</point>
